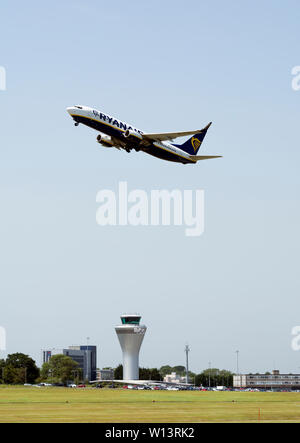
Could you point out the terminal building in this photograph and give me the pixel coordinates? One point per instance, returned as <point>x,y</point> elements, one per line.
<point>267,381</point>
<point>85,356</point>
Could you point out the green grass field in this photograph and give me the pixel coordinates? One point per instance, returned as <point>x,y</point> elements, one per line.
<point>29,404</point>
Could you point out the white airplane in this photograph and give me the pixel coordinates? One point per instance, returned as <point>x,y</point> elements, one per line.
<point>115,133</point>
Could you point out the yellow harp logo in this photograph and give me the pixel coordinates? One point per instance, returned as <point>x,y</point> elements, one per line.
<point>196,143</point>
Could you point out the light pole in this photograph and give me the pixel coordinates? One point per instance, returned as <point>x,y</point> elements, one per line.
<point>187,350</point>
<point>209,365</point>
<point>237,362</point>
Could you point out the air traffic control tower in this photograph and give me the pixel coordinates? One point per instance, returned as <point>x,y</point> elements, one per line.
<point>130,334</point>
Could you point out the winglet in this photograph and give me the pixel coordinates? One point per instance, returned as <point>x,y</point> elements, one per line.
<point>207,127</point>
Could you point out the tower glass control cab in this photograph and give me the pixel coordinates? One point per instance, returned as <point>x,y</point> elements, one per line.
<point>130,334</point>
<point>133,319</point>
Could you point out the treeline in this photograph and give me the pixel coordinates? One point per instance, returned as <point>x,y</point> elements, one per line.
<point>144,373</point>
<point>18,369</point>
<point>21,369</point>
<point>61,369</point>
<point>209,377</point>
<point>214,377</point>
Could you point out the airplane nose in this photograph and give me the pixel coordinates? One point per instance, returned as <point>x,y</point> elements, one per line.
<point>70,110</point>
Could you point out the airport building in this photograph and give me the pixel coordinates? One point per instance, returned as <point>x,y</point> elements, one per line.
<point>105,374</point>
<point>85,356</point>
<point>46,355</point>
<point>174,378</point>
<point>267,381</point>
<point>130,334</point>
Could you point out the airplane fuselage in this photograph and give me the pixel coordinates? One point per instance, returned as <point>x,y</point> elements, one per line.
<point>125,136</point>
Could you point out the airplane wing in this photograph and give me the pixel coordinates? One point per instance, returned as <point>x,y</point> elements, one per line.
<point>204,157</point>
<point>168,135</point>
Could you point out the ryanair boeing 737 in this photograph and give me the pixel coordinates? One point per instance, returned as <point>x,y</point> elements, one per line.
<point>115,133</point>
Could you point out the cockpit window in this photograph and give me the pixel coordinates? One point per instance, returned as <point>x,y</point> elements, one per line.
<point>79,107</point>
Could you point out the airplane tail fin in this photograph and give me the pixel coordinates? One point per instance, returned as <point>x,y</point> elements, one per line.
<point>192,145</point>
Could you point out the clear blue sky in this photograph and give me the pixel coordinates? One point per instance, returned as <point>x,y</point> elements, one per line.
<point>161,66</point>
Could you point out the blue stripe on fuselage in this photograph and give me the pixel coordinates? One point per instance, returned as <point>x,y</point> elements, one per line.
<point>163,154</point>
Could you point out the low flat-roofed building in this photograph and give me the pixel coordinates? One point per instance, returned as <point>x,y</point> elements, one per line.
<point>174,378</point>
<point>267,381</point>
<point>105,374</point>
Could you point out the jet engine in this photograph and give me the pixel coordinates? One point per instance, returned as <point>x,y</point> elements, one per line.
<point>133,136</point>
<point>104,140</point>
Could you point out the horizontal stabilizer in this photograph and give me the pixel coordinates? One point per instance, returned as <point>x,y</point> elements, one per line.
<point>204,157</point>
